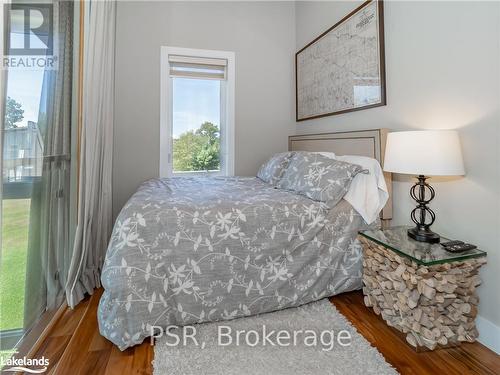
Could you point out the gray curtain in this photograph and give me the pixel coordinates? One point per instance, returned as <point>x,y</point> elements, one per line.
<point>49,249</point>
<point>96,149</point>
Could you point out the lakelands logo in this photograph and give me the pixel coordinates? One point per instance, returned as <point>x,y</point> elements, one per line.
<point>28,365</point>
<point>29,36</point>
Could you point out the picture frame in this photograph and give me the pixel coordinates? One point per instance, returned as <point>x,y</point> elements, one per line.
<point>343,69</point>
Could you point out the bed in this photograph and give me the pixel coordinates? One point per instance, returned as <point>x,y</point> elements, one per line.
<point>194,249</point>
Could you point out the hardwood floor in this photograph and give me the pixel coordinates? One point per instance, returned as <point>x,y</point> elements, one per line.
<point>75,346</point>
<point>465,359</point>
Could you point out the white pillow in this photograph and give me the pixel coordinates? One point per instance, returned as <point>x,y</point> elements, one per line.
<point>330,155</point>
<point>368,192</point>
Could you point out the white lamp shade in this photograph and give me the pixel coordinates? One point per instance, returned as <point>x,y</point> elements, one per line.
<point>426,152</point>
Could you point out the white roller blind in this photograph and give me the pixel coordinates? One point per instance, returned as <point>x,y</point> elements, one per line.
<point>197,67</point>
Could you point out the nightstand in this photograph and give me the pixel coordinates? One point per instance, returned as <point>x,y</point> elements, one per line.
<point>420,289</point>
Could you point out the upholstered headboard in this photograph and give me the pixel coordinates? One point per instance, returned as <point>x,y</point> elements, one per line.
<point>369,143</point>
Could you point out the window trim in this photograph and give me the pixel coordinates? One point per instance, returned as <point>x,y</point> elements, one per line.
<point>166,140</point>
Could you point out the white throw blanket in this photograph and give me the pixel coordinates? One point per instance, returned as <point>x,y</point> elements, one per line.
<point>368,192</point>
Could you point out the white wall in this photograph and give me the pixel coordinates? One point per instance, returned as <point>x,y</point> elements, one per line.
<point>443,72</point>
<point>263,37</point>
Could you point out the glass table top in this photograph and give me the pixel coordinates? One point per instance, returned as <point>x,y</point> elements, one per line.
<point>397,240</point>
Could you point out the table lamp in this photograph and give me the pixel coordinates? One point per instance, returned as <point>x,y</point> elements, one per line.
<point>424,153</point>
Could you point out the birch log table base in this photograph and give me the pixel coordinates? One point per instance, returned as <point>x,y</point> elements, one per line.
<point>420,289</point>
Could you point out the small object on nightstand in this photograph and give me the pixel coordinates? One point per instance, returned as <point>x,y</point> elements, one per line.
<point>451,243</point>
<point>460,248</point>
<point>457,246</point>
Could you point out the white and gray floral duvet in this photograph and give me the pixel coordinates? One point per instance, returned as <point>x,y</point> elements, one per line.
<point>189,250</point>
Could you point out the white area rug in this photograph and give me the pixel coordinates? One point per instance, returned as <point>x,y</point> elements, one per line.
<point>358,358</point>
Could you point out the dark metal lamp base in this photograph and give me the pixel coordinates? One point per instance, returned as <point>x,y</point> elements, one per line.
<point>423,235</point>
<point>419,214</point>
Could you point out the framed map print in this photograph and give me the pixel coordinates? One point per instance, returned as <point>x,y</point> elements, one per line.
<point>343,69</point>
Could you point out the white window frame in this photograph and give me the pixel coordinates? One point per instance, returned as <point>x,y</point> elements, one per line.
<point>166,110</point>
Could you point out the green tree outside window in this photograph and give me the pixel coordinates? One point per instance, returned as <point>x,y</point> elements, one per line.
<point>198,150</point>
<point>13,113</point>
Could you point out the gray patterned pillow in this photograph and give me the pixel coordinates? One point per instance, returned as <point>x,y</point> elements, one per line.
<point>319,177</point>
<point>273,169</point>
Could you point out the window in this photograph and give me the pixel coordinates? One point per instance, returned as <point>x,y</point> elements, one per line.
<point>22,107</point>
<point>37,174</point>
<point>197,112</point>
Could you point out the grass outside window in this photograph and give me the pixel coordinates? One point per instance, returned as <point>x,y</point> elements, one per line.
<point>15,226</point>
